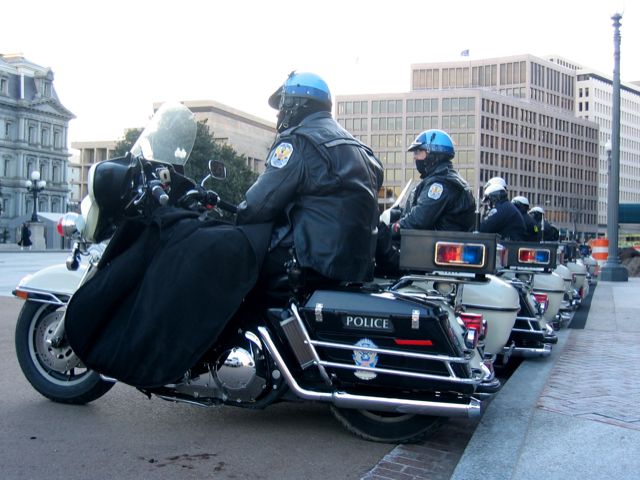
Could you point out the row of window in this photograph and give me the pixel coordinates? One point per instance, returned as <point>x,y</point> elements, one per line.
<point>413,105</point>
<point>50,171</point>
<point>43,136</point>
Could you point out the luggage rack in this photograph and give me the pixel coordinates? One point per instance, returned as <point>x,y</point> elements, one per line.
<point>306,353</point>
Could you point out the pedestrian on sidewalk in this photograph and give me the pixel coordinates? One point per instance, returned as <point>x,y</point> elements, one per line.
<point>25,237</point>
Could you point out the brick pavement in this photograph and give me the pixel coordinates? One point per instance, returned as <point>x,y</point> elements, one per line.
<point>594,378</point>
<point>434,459</point>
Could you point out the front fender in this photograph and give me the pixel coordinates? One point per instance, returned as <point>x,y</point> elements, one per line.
<point>53,284</point>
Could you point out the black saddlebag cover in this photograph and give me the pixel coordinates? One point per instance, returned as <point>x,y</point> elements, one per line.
<point>164,291</point>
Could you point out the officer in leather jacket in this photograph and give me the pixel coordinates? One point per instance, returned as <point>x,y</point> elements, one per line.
<point>443,200</point>
<point>532,233</point>
<point>547,231</point>
<point>320,187</point>
<point>504,218</point>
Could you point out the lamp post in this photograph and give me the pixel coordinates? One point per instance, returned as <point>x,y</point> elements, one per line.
<point>35,186</point>
<point>612,270</point>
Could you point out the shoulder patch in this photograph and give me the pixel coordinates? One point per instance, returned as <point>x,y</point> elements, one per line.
<point>280,155</point>
<point>435,191</point>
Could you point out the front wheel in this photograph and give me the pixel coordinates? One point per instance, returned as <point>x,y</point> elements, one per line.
<point>57,373</point>
<point>387,427</point>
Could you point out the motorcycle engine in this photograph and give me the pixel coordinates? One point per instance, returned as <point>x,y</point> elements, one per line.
<point>241,371</point>
<point>240,374</point>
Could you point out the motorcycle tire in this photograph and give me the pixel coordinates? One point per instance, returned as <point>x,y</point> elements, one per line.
<point>56,373</point>
<point>387,427</point>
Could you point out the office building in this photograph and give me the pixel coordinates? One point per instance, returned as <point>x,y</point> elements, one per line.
<point>594,97</point>
<point>511,117</point>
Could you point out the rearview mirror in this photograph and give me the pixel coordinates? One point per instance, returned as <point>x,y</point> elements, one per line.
<point>217,169</point>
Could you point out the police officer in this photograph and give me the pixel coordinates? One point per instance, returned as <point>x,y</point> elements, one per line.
<point>443,200</point>
<point>548,232</point>
<point>319,188</point>
<point>532,232</point>
<point>503,218</point>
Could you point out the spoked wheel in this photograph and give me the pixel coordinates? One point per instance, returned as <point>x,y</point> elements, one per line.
<point>55,372</point>
<point>388,427</point>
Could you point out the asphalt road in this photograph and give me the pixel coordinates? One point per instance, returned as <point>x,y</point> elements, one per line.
<point>124,435</point>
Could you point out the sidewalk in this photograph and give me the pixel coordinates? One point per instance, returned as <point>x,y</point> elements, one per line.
<point>575,414</point>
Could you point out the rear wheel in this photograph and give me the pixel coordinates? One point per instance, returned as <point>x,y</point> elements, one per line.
<point>388,427</point>
<point>55,372</point>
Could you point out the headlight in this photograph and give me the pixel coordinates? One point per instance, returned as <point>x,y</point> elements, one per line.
<point>70,224</point>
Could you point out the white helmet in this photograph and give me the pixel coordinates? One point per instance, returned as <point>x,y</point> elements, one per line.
<point>497,180</point>
<point>493,188</point>
<point>537,210</point>
<point>519,200</point>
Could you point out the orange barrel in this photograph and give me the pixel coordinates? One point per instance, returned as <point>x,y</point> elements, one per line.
<point>600,250</point>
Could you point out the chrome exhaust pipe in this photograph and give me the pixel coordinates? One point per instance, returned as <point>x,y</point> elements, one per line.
<point>526,352</point>
<point>472,409</point>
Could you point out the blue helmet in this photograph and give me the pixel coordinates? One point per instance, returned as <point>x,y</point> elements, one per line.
<point>434,141</point>
<point>302,85</point>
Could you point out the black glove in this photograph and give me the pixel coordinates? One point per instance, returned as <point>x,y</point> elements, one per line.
<point>395,214</point>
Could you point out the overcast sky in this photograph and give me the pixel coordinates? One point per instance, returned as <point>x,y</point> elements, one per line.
<point>113,59</point>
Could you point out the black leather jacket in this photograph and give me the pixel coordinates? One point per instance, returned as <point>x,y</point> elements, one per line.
<point>441,201</point>
<point>505,220</point>
<point>320,188</point>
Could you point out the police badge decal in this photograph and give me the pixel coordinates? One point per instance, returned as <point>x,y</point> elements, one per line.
<point>363,358</point>
<point>281,155</point>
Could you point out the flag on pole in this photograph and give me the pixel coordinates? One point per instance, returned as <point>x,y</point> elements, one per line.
<point>464,53</point>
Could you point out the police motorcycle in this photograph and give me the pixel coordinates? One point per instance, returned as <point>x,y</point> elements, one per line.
<point>522,262</point>
<point>579,271</point>
<point>390,365</point>
<point>471,286</point>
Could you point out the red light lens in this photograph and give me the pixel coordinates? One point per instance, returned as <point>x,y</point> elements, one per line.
<point>474,321</point>
<point>542,299</point>
<point>59,228</point>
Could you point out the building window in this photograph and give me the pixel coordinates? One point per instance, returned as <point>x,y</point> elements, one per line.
<point>32,134</point>
<point>7,130</point>
<point>4,86</point>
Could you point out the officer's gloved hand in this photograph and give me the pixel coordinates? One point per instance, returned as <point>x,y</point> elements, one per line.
<point>395,214</point>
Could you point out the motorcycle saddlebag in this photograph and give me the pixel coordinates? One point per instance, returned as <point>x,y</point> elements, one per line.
<point>338,321</point>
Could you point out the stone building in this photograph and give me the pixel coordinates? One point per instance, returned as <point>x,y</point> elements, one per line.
<point>33,137</point>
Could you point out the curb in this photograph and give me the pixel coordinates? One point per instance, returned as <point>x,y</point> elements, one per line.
<point>495,447</point>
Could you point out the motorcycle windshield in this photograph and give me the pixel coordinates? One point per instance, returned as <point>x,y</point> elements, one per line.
<point>169,137</point>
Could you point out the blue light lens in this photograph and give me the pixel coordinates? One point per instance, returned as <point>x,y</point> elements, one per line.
<point>472,254</point>
<point>542,256</point>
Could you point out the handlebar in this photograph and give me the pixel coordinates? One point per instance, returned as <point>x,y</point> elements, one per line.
<point>209,199</point>
<point>158,192</point>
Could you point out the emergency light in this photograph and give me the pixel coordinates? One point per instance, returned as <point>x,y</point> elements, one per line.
<point>534,255</point>
<point>459,254</point>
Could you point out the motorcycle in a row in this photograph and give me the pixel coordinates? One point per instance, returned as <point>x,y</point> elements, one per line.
<point>391,358</point>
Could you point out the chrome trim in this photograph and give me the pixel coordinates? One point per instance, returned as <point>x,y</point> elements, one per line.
<point>523,352</point>
<point>51,298</point>
<point>108,379</point>
<point>472,409</point>
<point>475,380</point>
<point>397,353</point>
<point>307,341</point>
<point>492,308</point>
<point>536,289</point>
<point>184,400</point>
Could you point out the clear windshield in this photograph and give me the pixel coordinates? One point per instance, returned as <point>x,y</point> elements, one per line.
<point>169,137</point>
